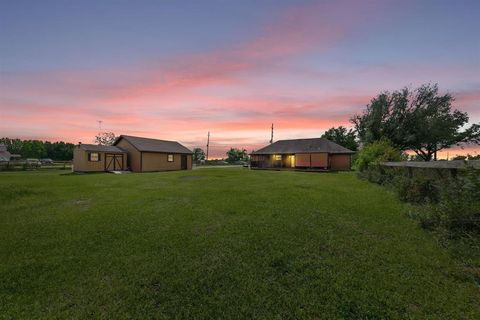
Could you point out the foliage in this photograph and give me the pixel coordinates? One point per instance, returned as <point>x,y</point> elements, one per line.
<point>376,152</point>
<point>219,244</point>
<point>105,138</point>
<point>458,208</point>
<point>39,149</point>
<point>198,155</point>
<point>421,120</point>
<point>342,136</point>
<point>234,155</point>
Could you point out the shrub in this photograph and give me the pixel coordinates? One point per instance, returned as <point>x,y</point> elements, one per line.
<point>419,189</point>
<point>458,205</point>
<point>374,153</point>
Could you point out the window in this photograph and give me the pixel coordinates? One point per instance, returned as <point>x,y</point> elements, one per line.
<point>170,158</point>
<point>94,156</point>
<point>277,157</point>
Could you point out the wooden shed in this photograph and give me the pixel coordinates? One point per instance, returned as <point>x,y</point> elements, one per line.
<point>146,155</point>
<point>305,154</point>
<point>96,158</point>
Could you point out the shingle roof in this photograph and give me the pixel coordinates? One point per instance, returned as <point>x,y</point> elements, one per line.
<point>100,148</point>
<point>303,146</point>
<point>154,145</point>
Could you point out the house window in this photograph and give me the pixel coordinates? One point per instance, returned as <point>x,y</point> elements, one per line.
<point>94,156</point>
<point>277,157</point>
<point>170,158</point>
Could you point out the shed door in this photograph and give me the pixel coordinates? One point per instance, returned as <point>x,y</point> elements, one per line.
<point>114,162</point>
<point>184,162</point>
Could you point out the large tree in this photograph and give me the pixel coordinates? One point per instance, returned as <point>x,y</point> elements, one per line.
<point>342,136</point>
<point>421,120</point>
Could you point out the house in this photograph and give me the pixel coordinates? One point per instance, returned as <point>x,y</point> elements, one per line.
<point>316,154</point>
<point>4,154</point>
<point>145,154</point>
<point>92,157</point>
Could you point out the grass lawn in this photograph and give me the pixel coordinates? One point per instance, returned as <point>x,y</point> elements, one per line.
<point>219,243</point>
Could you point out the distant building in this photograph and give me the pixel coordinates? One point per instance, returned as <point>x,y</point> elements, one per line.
<point>4,154</point>
<point>307,154</point>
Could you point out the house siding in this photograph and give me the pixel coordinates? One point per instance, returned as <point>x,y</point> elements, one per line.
<point>340,162</point>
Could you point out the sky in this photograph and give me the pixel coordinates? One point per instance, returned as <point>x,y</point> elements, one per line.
<point>176,70</point>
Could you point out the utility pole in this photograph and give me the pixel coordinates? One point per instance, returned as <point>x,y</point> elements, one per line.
<point>271,137</point>
<point>208,142</point>
<point>99,125</point>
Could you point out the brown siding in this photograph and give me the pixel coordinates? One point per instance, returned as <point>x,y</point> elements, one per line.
<point>81,163</point>
<point>134,156</point>
<point>189,162</point>
<point>340,161</point>
<point>154,161</point>
<point>319,160</point>
<point>302,160</point>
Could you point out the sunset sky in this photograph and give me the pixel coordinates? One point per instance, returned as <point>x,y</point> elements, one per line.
<point>177,69</point>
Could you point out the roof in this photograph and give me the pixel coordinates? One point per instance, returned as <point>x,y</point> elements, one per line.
<point>100,148</point>
<point>303,146</point>
<point>3,147</point>
<point>5,155</point>
<point>154,145</point>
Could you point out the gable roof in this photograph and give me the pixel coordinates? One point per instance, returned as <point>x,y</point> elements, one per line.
<point>100,148</point>
<point>154,145</point>
<point>303,146</point>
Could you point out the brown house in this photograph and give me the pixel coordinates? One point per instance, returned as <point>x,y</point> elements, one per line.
<point>316,154</point>
<point>145,155</point>
<point>92,157</point>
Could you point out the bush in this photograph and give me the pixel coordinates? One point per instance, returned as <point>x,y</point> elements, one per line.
<point>374,153</point>
<point>418,189</point>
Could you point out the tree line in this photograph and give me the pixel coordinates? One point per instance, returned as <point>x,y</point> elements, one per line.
<point>62,151</point>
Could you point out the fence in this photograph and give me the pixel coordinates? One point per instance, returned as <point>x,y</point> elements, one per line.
<point>16,165</point>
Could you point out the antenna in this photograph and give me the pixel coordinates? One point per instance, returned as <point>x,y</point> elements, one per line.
<point>271,137</point>
<point>99,124</point>
<point>208,142</point>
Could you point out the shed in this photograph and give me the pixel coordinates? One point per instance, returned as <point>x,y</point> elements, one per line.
<point>96,158</point>
<point>314,153</point>
<point>146,154</point>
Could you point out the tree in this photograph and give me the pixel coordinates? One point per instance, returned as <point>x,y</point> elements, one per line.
<point>342,136</point>
<point>198,155</point>
<point>105,138</point>
<point>234,155</point>
<point>421,120</point>
<point>39,149</point>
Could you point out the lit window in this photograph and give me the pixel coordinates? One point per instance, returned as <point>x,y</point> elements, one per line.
<point>94,157</point>
<point>170,158</point>
<point>277,157</point>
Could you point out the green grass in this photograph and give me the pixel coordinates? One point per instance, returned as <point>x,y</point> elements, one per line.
<point>219,243</point>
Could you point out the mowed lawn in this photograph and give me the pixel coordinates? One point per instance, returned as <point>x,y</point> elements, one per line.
<point>222,244</point>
